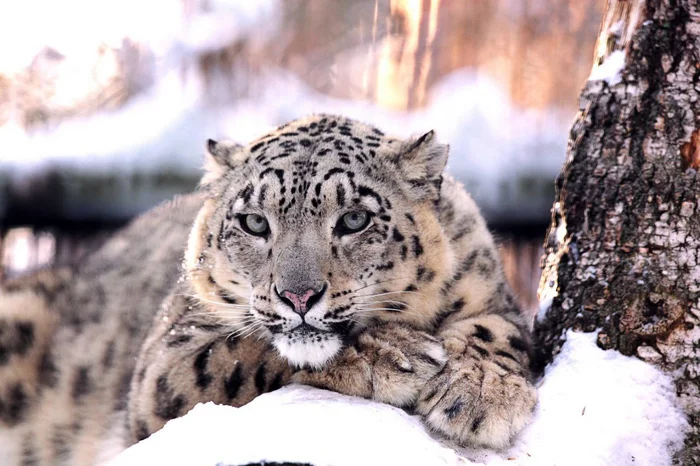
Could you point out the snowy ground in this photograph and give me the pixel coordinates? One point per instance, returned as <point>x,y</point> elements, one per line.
<point>596,408</point>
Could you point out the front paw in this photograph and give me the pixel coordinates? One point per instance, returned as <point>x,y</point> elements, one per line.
<point>404,360</point>
<point>477,403</point>
<point>390,363</point>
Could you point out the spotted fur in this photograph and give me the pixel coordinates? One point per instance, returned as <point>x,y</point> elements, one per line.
<point>412,310</point>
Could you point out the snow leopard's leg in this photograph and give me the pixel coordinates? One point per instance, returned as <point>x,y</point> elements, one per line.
<point>28,320</point>
<point>484,395</point>
<point>188,358</point>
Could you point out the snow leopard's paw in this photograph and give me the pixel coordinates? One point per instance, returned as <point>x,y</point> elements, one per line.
<point>390,363</point>
<point>477,403</point>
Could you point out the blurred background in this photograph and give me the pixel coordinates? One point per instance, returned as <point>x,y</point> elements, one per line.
<point>105,104</point>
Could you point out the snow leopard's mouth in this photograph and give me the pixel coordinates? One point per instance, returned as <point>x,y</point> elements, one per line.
<point>305,329</point>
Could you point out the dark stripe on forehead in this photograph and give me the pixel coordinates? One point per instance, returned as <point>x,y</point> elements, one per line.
<point>340,192</point>
<point>246,193</point>
<point>351,176</point>
<point>369,192</point>
<point>262,196</point>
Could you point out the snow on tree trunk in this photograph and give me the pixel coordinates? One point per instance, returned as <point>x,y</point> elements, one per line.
<point>622,250</point>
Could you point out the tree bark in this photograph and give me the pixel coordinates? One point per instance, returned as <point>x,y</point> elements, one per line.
<point>622,250</point>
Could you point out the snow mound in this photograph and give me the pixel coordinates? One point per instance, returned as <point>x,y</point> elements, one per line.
<point>596,408</point>
<point>293,424</point>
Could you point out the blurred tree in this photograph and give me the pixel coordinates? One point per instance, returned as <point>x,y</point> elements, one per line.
<point>393,51</point>
<point>622,253</point>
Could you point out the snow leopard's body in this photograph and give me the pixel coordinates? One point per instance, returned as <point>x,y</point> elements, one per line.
<point>412,309</point>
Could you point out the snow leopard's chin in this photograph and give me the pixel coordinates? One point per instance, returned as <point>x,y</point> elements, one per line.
<point>307,348</point>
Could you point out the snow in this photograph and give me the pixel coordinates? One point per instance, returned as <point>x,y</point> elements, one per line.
<point>296,424</point>
<point>151,132</point>
<point>165,129</point>
<point>226,21</point>
<point>610,70</point>
<point>110,141</point>
<point>596,408</point>
<point>162,25</point>
<point>600,408</point>
<point>617,27</point>
<point>483,110</point>
<point>544,306</point>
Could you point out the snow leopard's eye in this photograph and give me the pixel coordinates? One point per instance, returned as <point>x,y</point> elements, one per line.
<point>352,222</point>
<point>254,224</point>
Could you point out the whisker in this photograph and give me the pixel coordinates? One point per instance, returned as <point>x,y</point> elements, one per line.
<point>369,309</point>
<point>252,323</point>
<point>403,311</point>
<point>247,320</point>
<point>387,302</point>
<point>246,330</point>
<point>238,322</point>
<point>217,303</point>
<point>221,305</point>
<point>220,311</point>
<point>383,294</point>
<point>221,314</point>
<point>379,283</point>
<point>253,331</point>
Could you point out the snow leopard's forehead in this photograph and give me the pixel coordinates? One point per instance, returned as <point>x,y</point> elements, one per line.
<point>322,135</point>
<point>309,143</point>
<point>317,161</point>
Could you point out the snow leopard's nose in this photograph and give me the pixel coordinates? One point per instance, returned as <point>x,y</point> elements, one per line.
<point>301,303</point>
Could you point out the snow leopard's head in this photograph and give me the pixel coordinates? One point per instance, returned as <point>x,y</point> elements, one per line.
<point>316,228</point>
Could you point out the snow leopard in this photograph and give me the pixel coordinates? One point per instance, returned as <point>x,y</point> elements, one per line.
<point>325,253</point>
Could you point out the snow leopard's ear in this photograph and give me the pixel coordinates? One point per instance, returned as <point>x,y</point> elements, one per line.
<point>220,158</point>
<point>421,162</point>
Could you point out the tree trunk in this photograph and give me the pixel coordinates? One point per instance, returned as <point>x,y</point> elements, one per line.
<point>622,250</point>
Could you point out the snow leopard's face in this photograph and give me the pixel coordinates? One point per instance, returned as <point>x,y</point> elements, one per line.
<point>315,229</point>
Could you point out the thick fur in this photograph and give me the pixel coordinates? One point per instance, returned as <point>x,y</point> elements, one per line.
<point>415,310</point>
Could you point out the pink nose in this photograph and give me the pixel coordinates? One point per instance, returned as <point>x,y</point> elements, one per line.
<point>300,303</point>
